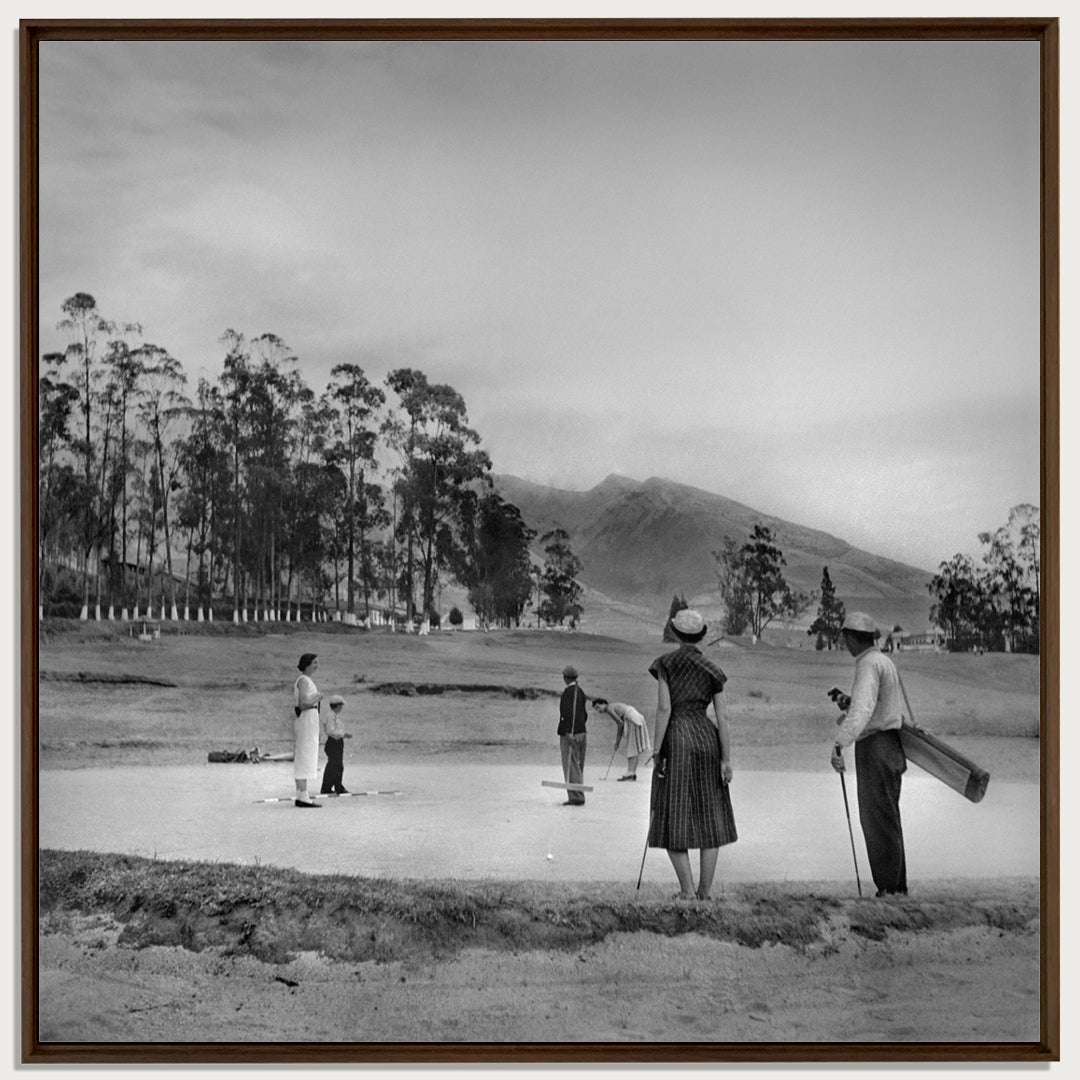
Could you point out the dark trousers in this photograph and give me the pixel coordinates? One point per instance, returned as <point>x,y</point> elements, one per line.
<point>879,765</point>
<point>335,766</point>
<point>572,748</point>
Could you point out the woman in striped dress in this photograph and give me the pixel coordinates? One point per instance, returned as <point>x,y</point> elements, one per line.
<point>690,805</point>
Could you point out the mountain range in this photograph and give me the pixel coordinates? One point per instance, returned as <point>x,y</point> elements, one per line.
<point>641,542</point>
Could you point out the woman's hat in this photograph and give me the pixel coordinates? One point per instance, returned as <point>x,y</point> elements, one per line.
<point>305,660</point>
<point>689,625</point>
<point>336,699</point>
<point>861,623</point>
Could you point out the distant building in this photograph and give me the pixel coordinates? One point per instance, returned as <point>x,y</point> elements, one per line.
<point>928,641</point>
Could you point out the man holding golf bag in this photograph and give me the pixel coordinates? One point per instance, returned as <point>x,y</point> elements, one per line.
<point>872,718</point>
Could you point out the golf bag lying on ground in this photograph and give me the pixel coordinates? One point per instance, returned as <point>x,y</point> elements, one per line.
<point>941,760</point>
<point>253,755</point>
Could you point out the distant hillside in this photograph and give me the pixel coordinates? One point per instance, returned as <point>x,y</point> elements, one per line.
<point>642,541</point>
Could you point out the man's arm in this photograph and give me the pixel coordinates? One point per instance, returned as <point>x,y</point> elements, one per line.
<point>864,695</point>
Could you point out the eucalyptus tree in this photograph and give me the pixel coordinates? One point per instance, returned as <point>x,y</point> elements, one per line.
<point>961,603</point>
<point>147,508</point>
<point>1012,562</point>
<point>162,407</point>
<point>123,364</point>
<point>310,496</point>
<point>235,383</point>
<point>87,326</point>
<point>355,407</point>
<point>441,459</point>
<point>562,591</point>
<point>276,395</point>
<point>493,561</point>
<point>753,585</point>
<point>205,486</point>
<point>58,487</point>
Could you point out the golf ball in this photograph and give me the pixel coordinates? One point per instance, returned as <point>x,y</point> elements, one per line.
<point>550,856</point>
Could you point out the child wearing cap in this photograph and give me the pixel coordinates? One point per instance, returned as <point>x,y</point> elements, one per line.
<point>335,749</point>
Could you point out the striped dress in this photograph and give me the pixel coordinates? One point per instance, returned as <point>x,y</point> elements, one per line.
<point>690,807</point>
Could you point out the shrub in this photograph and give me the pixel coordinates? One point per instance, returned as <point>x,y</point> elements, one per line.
<point>456,618</point>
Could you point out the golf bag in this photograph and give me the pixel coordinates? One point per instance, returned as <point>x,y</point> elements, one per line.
<point>941,760</point>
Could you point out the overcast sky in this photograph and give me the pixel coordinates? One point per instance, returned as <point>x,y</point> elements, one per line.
<point>801,275</point>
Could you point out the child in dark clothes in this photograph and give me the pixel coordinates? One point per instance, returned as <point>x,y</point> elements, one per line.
<point>335,749</point>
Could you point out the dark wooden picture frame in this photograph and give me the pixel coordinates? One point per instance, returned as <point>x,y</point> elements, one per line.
<point>1042,30</point>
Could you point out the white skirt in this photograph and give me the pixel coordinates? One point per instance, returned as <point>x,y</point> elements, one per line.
<point>306,745</point>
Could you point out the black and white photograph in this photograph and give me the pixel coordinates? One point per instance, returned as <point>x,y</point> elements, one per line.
<point>538,540</point>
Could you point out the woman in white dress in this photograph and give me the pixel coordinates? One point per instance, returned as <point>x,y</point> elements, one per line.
<point>306,699</point>
<point>632,726</point>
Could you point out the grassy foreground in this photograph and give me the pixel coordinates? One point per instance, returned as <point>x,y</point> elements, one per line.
<point>273,914</point>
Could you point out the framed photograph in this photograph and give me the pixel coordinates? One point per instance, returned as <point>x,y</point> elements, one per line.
<point>540,540</point>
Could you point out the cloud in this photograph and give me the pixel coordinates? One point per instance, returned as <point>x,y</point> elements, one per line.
<point>619,253</point>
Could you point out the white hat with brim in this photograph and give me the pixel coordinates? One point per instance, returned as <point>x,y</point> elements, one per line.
<point>861,623</point>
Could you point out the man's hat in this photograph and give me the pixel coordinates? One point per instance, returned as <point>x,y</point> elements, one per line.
<point>336,699</point>
<point>569,672</point>
<point>861,623</point>
<point>689,624</point>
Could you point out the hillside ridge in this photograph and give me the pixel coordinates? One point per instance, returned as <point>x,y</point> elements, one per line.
<point>642,541</point>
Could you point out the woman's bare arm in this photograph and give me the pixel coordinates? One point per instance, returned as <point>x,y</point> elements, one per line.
<point>725,737</point>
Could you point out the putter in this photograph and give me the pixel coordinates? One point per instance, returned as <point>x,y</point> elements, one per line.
<point>610,763</point>
<point>847,812</point>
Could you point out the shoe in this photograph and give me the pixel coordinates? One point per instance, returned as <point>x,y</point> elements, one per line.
<point>570,802</point>
<point>306,805</point>
<point>341,791</point>
<point>631,776</point>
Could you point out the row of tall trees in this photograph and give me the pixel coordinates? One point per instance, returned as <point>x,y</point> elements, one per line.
<point>257,492</point>
<point>993,604</point>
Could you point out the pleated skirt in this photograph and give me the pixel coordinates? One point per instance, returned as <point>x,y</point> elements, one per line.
<point>690,808</point>
<point>637,740</point>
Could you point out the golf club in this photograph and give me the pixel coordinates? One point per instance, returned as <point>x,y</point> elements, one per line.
<point>847,812</point>
<point>645,852</point>
<point>610,763</point>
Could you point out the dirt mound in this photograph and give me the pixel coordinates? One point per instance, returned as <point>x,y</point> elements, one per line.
<point>410,689</point>
<point>101,677</point>
<point>274,914</point>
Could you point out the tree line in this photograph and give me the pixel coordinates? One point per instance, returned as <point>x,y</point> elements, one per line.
<point>989,606</point>
<point>993,605</point>
<point>256,492</point>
